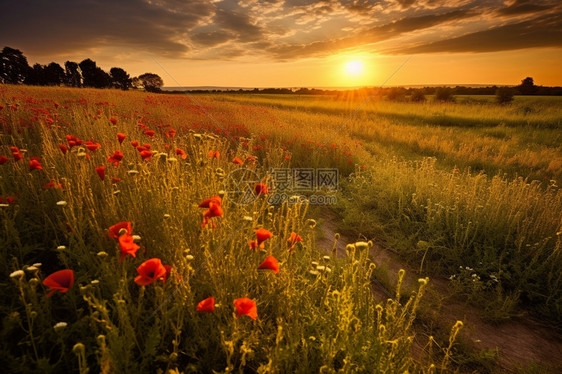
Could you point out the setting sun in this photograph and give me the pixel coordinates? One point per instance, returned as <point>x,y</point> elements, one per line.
<point>354,67</point>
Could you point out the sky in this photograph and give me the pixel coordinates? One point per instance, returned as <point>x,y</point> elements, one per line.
<point>297,43</point>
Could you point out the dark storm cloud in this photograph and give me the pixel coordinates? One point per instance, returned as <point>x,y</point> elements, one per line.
<point>56,27</point>
<point>543,31</point>
<point>371,35</point>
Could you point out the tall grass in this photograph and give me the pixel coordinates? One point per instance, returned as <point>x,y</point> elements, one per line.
<point>317,314</point>
<point>507,232</point>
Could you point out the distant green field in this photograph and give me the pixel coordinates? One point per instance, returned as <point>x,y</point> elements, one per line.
<point>520,139</point>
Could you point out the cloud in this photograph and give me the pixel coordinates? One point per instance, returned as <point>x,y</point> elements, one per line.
<point>518,7</point>
<point>212,38</point>
<point>368,36</point>
<point>277,29</point>
<point>542,31</point>
<point>65,26</point>
<point>240,23</point>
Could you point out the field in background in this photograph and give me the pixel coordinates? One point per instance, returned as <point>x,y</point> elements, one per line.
<point>471,185</point>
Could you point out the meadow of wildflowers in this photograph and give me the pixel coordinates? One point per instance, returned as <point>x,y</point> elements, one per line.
<point>122,252</point>
<point>139,233</point>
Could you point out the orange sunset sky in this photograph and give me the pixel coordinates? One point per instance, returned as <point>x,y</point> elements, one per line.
<point>296,43</point>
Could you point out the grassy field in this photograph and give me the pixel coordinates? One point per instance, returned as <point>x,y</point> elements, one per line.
<point>467,184</point>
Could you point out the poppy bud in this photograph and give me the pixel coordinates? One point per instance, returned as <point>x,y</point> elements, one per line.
<point>18,274</point>
<point>78,349</point>
<point>58,327</point>
<point>361,245</point>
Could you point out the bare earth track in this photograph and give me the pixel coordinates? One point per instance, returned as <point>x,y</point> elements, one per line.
<point>520,341</point>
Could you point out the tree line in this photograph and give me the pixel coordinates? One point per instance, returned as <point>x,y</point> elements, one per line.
<point>14,69</point>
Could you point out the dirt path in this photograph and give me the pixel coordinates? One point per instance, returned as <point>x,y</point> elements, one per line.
<point>519,341</point>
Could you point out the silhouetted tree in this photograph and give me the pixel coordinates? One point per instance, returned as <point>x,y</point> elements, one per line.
<point>94,76</point>
<point>444,94</point>
<point>396,94</point>
<point>527,86</point>
<point>417,96</point>
<point>13,66</point>
<point>150,82</point>
<point>36,75</point>
<point>504,95</point>
<point>72,78</point>
<point>88,68</point>
<point>120,78</point>
<point>54,74</point>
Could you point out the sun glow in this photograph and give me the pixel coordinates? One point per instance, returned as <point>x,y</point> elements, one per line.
<point>354,67</point>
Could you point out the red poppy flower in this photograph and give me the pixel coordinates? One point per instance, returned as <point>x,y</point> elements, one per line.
<point>121,137</point>
<point>213,200</point>
<point>92,146</point>
<point>215,210</point>
<point>270,263</point>
<point>207,305</point>
<point>134,143</point>
<point>52,184</point>
<point>261,188</point>
<point>73,140</point>
<point>114,230</point>
<point>35,165</point>
<point>146,155</point>
<point>237,161</point>
<point>127,246</point>
<point>61,280</point>
<point>115,180</point>
<point>146,146</point>
<point>181,152</point>
<point>262,235</point>
<point>149,133</point>
<point>14,149</point>
<point>150,271</point>
<point>214,154</point>
<point>17,156</point>
<point>3,160</point>
<point>293,239</point>
<point>245,306</point>
<point>168,272</point>
<point>63,148</point>
<point>113,120</point>
<point>116,157</point>
<point>101,172</point>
